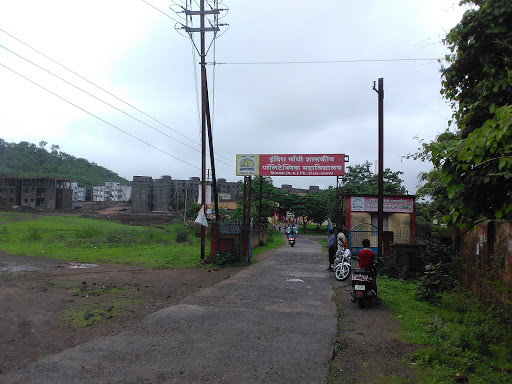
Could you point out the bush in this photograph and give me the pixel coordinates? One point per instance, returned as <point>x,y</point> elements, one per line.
<point>87,232</point>
<point>182,235</point>
<point>394,264</point>
<point>440,272</point>
<point>33,234</point>
<point>223,258</point>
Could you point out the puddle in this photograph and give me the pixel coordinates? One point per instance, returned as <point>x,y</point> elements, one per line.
<point>17,268</point>
<point>79,265</point>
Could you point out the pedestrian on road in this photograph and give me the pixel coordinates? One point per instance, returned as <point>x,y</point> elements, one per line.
<point>331,244</point>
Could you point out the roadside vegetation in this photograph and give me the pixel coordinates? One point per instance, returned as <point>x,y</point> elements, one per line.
<point>459,339</point>
<point>90,240</point>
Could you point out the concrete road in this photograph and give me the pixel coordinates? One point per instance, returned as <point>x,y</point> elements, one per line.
<point>274,322</point>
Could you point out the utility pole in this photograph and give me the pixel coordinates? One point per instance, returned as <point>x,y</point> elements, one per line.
<point>380,92</point>
<point>205,107</point>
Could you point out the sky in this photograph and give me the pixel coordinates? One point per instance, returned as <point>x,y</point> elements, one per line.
<point>114,81</point>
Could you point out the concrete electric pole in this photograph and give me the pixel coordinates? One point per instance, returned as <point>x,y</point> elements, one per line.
<point>205,104</point>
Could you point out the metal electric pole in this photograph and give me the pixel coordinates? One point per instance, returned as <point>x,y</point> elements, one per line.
<point>380,92</point>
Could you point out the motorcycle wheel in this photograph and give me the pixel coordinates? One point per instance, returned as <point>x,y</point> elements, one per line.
<point>361,303</point>
<point>341,272</point>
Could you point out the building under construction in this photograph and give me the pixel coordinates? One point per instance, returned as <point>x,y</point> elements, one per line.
<point>156,195</point>
<point>36,192</point>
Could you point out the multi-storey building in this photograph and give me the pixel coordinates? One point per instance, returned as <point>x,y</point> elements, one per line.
<point>36,192</point>
<point>111,191</point>
<point>78,192</point>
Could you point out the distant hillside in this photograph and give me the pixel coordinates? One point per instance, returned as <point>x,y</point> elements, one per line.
<point>29,160</point>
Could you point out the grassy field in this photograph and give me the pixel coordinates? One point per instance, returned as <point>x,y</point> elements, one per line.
<point>460,340</point>
<point>91,240</point>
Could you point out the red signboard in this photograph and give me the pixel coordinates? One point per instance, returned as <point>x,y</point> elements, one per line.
<point>291,165</point>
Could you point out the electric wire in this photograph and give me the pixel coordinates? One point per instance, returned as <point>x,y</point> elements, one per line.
<point>151,5</point>
<point>99,118</point>
<point>109,93</point>
<point>322,61</point>
<point>97,98</point>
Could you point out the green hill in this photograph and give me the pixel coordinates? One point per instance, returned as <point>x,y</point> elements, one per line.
<point>29,160</point>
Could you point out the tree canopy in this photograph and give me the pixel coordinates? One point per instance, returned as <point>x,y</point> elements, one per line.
<point>360,179</point>
<point>28,160</point>
<point>475,161</point>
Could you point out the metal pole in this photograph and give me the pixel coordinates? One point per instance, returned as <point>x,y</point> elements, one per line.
<point>203,128</point>
<point>261,193</point>
<point>249,187</point>
<point>337,207</point>
<point>212,155</point>
<point>381,166</point>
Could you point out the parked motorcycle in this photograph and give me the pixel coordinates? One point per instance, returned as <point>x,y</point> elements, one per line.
<point>364,285</point>
<point>291,240</point>
<point>342,264</point>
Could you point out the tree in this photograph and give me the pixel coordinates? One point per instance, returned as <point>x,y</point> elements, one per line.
<point>360,179</point>
<point>478,81</point>
<point>268,198</point>
<point>475,161</point>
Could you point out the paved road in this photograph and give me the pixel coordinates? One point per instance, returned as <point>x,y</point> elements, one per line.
<point>274,322</point>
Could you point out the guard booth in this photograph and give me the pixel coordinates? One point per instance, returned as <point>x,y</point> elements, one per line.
<point>361,219</point>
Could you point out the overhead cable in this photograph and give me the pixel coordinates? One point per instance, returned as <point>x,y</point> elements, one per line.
<point>99,118</point>
<point>109,93</point>
<point>321,61</point>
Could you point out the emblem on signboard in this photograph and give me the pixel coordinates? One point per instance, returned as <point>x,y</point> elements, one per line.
<point>357,204</point>
<point>247,165</point>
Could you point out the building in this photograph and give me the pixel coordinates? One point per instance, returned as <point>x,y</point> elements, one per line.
<point>156,195</point>
<point>36,192</point>
<point>361,217</point>
<point>301,191</point>
<point>111,191</point>
<point>78,192</point>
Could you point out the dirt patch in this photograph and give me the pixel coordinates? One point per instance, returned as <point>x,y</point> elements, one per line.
<point>369,349</point>
<point>49,305</point>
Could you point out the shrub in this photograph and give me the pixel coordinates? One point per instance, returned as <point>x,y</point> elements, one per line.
<point>87,232</point>
<point>394,265</point>
<point>440,272</point>
<point>223,258</point>
<point>33,234</point>
<point>182,235</point>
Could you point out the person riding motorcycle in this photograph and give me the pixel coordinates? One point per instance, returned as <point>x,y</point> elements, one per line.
<point>367,259</point>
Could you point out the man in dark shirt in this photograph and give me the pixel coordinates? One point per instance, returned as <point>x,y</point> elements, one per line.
<point>331,244</point>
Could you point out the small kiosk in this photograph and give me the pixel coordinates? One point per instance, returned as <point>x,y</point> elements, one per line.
<point>361,219</point>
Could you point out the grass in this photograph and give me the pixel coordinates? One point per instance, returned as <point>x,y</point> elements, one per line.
<point>99,241</point>
<point>90,240</point>
<point>457,336</point>
<point>313,229</point>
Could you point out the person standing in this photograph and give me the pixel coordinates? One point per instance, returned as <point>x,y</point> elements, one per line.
<point>341,241</point>
<point>331,245</point>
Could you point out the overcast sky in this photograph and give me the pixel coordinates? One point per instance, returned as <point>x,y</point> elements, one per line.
<point>132,51</point>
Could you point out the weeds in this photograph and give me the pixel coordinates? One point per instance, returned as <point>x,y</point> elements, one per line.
<point>457,334</point>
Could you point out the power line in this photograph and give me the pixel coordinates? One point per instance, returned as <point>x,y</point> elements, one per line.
<point>104,90</point>
<point>97,98</point>
<point>99,118</point>
<point>321,61</point>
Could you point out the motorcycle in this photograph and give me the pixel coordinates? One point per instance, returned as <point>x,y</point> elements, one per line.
<point>291,240</point>
<point>342,264</point>
<point>364,285</point>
